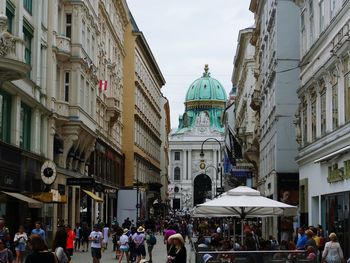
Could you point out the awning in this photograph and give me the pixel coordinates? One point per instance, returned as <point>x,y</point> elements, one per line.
<point>31,202</point>
<point>93,196</point>
<point>333,154</point>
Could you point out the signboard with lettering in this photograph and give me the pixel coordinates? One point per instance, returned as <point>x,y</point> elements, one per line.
<point>81,181</point>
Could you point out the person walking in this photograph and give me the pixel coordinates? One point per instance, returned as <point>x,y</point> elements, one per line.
<point>70,240</point>
<point>39,250</point>
<point>59,246</point>
<point>85,237</point>
<point>39,231</point>
<point>78,237</point>
<point>5,233</point>
<point>151,240</point>
<point>20,241</point>
<point>6,255</point>
<point>96,238</point>
<point>106,233</point>
<point>139,240</point>
<point>124,245</point>
<point>332,252</point>
<point>179,255</point>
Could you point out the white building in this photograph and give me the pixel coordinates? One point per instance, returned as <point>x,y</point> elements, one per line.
<point>193,180</point>
<point>276,40</point>
<point>323,117</point>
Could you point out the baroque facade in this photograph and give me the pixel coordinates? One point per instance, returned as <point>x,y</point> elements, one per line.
<point>323,115</point>
<point>195,177</point>
<point>65,70</point>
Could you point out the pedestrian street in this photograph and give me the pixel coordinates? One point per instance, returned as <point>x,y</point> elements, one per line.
<point>108,256</point>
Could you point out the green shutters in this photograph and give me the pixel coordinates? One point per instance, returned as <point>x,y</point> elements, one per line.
<point>25,126</point>
<point>5,116</point>
<point>28,5</point>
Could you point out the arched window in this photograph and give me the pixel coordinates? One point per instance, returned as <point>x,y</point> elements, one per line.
<point>177,174</point>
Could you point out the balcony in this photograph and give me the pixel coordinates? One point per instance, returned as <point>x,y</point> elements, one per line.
<point>62,108</point>
<point>256,100</point>
<point>63,48</point>
<point>113,110</point>
<point>12,63</point>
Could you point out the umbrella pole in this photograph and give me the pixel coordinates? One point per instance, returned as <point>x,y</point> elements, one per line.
<point>242,222</point>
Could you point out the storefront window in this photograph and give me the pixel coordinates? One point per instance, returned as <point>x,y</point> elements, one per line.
<point>335,211</point>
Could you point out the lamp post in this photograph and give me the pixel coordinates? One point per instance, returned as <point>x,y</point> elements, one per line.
<point>202,164</point>
<point>216,176</point>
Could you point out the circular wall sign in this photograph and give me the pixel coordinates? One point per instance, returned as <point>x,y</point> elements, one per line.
<point>48,172</point>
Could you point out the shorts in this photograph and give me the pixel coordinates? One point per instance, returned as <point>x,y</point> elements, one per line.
<point>124,248</point>
<point>21,247</point>
<point>96,252</point>
<point>141,251</point>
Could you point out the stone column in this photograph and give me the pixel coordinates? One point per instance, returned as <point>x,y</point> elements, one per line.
<point>44,135</point>
<point>36,131</point>
<point>189,166</point>
<point>341,102</point>
<point>16,120</point>
<point>184,166</point>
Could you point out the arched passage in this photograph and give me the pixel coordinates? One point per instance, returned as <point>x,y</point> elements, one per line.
<point>201,189</point>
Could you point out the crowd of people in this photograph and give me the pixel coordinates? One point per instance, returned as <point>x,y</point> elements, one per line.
<point>132,242</point>
<point>309,244</point>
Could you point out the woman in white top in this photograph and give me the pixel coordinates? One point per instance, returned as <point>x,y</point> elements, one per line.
<point>124,245</point>
<point>20,243</point>
<point>332,252</point>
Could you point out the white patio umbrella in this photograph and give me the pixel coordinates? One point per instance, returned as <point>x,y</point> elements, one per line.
<point>243,202</point>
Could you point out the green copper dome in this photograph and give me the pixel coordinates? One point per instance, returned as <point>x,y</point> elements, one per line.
<point>206,88</point>
<point>204,105</point>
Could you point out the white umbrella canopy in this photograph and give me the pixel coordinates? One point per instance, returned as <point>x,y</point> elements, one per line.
<point>244,202</point>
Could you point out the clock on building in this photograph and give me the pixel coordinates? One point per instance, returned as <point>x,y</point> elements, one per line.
<point>48,172</point>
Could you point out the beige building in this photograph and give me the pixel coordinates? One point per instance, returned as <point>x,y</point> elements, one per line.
<point>54,110</point>
<point>142,109</point>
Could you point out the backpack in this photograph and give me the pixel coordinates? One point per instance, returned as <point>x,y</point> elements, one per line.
<point>152,240</point>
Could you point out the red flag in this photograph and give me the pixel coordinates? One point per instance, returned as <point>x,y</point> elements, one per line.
<point>103,84</point>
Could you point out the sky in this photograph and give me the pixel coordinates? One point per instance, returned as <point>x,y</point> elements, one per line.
<point>184,35</point>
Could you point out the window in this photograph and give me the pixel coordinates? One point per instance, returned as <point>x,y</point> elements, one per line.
<point>66,86</point>
<point>323,112</point>
<point>177,156</point>
<point>322,17</point>
<point>347,89</point>
<point>332,9</point>
<point>334,101</point>
<point>27,37</point>
<point>10,13</point>
<point>5,116</point>
<point>303,33</point>
<point>25,127</point>
<point>28,5</point>
<point>177,174</point>
<point>304,119</point>
<point>313,118</point>
<point>83,33</point>
<point>68,25</point>
<point>311,21</point>
<point>82,82</point>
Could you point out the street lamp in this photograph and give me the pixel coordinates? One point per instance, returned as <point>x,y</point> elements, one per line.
<point>202,163</point>
<point>216,176</point>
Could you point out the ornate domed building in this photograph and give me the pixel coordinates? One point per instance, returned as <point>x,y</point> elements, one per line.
<point>194,176</point>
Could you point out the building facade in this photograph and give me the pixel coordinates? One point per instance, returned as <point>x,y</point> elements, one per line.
<point>244,126</point>
<point>276,41</point>
<point>142,141</point>
<point>63,81</point>
<point>195,177</point>
<point>323,115</point>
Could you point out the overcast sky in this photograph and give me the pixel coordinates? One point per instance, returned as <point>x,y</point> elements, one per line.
<point>186,34</point>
